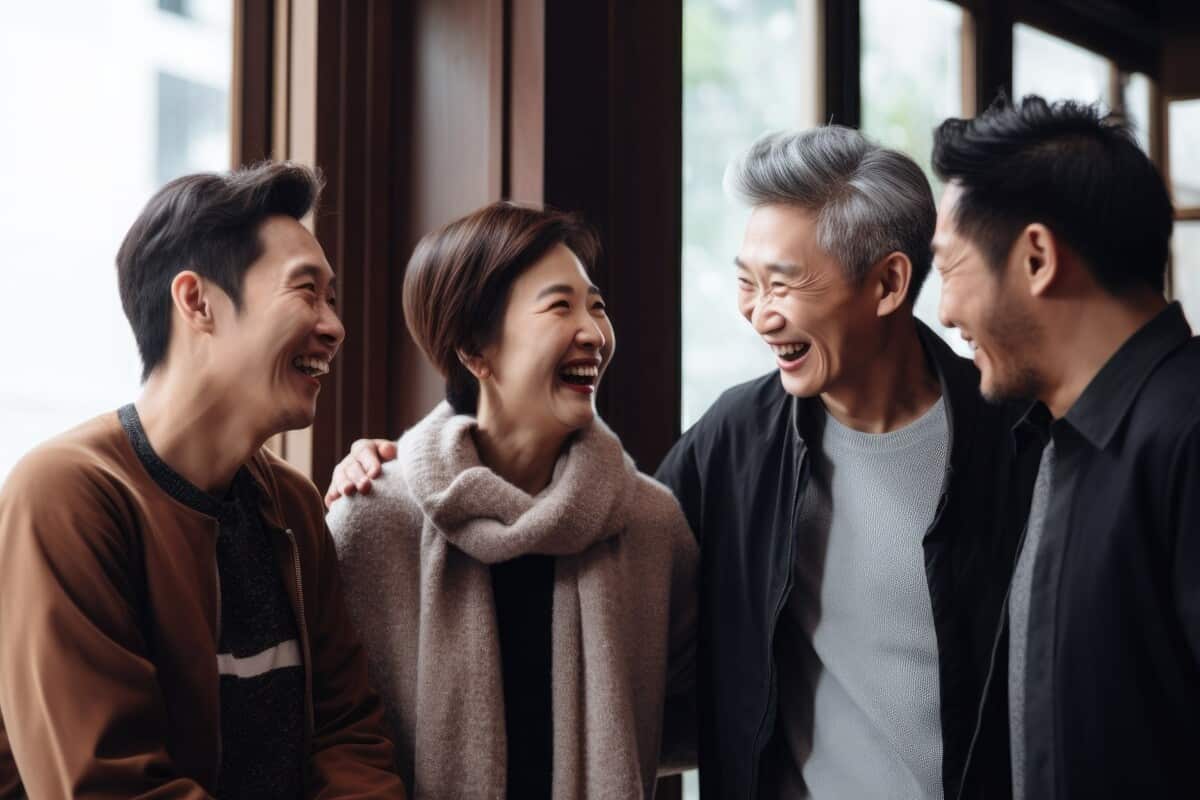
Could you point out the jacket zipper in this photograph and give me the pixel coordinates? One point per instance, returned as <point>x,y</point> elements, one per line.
<point>987,681</point>
<point>217,584</point>
<point>759,744</point>
<point>303,632</point>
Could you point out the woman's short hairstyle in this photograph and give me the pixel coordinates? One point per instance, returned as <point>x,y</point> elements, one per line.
<point>207,223</point>
<point>868,201</point>
<point>457,283</point>
<point>1069,166</point>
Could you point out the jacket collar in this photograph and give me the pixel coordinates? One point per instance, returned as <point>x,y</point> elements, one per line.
<point>959,381</point>
<point>254,483</point>
<point>1104,404</point>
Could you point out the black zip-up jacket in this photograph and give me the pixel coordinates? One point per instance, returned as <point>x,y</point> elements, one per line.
<point>740,474</point>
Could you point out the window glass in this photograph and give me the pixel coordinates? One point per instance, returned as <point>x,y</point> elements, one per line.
<point>102,103</point>
<point>1135,91</point>
<point>745,72</point>
<point>912,80</point>
<point>1185,269</point>
<point>1056,69</point>
<point>1183,126</point>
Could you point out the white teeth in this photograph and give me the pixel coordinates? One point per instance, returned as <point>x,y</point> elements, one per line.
<point>788,349</point>
<point>311,366</point>
<point>583,372</point>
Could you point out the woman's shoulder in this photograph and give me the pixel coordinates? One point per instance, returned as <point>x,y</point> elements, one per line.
<point>388,507</point>
<point>652,510</point>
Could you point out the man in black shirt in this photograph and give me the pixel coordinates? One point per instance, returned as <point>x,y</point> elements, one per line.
<point>1052,245</point>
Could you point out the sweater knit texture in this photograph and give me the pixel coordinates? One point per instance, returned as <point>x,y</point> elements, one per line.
<point>859,694</point>
<point>415,557</point>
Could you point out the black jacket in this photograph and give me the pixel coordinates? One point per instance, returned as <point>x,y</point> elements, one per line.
<point>1112,679</point>
<point>740,474</point>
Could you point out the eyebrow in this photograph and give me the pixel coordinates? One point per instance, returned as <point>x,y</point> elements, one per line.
<point>777,268</point>
<point>562,288</point>
<point>308,271</point>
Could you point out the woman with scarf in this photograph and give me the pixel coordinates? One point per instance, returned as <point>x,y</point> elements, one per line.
<point>526,597</point>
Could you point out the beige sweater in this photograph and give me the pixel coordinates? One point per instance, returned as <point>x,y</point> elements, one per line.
<point>415,556</point>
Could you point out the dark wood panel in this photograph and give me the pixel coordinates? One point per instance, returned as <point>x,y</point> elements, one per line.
<point>843,45</point>
<point>253,64</point>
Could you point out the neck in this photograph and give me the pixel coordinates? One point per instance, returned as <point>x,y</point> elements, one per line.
<point>194,431</point>
<point>1097,331</point>
<point>522,456</point>
<point>893,385</point>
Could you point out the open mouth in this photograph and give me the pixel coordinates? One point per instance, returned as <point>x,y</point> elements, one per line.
<point>311,366</point>
<point>580,377</point>
<point>791,352</point>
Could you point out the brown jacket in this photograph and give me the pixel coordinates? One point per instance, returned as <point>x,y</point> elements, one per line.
<point>108,631</point>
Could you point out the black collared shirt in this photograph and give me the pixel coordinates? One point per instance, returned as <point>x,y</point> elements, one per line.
<point>1112,675</point>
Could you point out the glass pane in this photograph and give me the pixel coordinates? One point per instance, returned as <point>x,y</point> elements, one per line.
<point>1056,69</point>
<point>1183,131</point>
<point>1185,269</point>
<point>1135,89</point>
<point>744,74</point>
<point>911,81</point>
<point>102,103</point>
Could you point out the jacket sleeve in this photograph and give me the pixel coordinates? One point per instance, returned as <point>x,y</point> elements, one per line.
<point>352,754</point>
<point>681,473</point>
<point>1185,499</point>
<point>680,718</point>
<point>79,696</point>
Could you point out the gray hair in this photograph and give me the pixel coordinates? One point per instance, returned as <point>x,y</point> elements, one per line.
<point>869,201</point>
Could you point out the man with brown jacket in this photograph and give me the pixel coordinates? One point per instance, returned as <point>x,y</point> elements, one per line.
<point>171,622</point>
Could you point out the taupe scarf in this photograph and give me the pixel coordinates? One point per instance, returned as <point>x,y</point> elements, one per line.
<point>473,519</point>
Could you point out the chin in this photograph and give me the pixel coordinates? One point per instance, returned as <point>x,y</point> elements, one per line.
<point>798,386</point>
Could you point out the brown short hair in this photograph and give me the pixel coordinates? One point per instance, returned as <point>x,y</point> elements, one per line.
<point>208,223</point>
<point>457,282</point>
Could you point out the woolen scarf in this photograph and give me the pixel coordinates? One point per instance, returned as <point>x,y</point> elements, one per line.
<point>624,583</point>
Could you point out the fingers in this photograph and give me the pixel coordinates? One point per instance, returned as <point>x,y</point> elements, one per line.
<point>354,473</point>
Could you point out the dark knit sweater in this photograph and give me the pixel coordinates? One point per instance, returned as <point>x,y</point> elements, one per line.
<point>261,674</point>
<point>523,589</point>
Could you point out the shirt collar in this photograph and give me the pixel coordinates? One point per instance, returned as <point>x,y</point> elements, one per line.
<point>1099,411</point>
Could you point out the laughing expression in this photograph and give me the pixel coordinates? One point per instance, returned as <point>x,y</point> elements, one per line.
<point>554,345</point>
<point>985,305</point>
<point>799,301</point>
<point>275,349</point>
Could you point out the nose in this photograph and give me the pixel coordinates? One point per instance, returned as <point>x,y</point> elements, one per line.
<point>763,318</point>
<point>590,335</point>
<point>944,309</point>
<point>330,330</point>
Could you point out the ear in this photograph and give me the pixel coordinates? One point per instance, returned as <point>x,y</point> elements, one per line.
<point>1039,258</point>
<point>894,277</point>
<point>190,297</point>
<point>475,364</point>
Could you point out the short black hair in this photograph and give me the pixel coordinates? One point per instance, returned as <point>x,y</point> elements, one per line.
<point>207,223</point>
<point>1072,168</point>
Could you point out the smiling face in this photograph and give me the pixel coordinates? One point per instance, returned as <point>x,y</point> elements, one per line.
<point>272,351</point>
<point>554,344</point>
<point>800,302</point>
<point>988,307</point>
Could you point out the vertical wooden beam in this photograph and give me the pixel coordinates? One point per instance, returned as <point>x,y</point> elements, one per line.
<point>251,95</point>
<point>843,46</point>
<point>993,52</point>
<point>526,151</point>
<point>970,64</point>
<point>613,152</point>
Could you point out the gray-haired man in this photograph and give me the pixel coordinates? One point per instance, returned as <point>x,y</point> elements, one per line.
<point>857,512</point>
<point>856,516</point>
